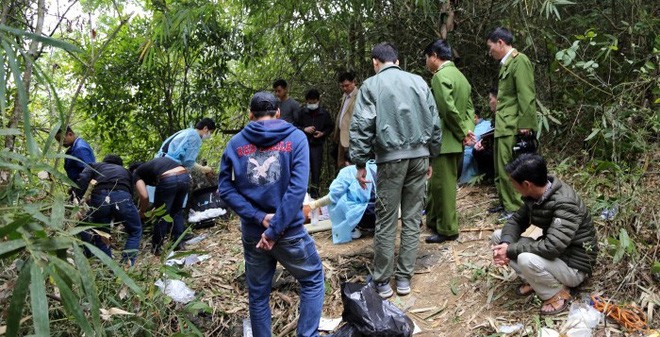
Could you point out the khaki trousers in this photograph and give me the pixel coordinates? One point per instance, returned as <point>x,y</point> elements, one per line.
<point>398,182</point>
<point>547,277</point>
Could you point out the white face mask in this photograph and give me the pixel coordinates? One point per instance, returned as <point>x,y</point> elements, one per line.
<point>312,106</point>
<point>206,136</point>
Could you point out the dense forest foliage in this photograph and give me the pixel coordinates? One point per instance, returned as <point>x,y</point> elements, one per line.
<point>127,74</point>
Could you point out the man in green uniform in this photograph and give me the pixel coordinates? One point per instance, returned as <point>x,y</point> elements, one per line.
<point>516,110</point>
<point>452,96</point>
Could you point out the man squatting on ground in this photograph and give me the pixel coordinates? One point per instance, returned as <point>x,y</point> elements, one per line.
<point>564,255</point>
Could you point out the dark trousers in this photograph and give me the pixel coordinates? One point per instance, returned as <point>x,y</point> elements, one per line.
<point>170,191</point>
<point>485,162</point>
<point>315,164</point>
<point>108,205</point>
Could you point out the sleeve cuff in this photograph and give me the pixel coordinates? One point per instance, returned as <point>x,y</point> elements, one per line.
<point>270,233</point>
<point>259,217</point>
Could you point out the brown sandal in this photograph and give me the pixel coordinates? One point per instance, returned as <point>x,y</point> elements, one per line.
<point>524,289</point>
<point>561,295</point>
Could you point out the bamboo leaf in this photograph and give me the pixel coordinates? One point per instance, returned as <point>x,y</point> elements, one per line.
<point>39,301</point>
<point>43,39</point>
<point>3,85</point>
<point>119,272</point>
<point>70,272</point>
<point>89,285</point>
<point>20,221</point>
<point>53,243</point>
<point>57,212</point>
<point>70,302</point>
<point>21,91</point>
<point>592,134</point>
<point>17,302</point>
<point>8,132</point>
<point>10,246</point>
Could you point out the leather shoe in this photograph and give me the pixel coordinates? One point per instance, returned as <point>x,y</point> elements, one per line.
<point>439,238</point>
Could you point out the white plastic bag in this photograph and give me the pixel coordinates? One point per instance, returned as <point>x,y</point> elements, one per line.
<point>582,318</point>
<point>177,290</point>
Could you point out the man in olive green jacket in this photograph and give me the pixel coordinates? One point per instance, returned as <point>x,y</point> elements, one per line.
<point>395,119</point>
<point>452,93</point>
<point>516,109</point>
<point>564,255</point>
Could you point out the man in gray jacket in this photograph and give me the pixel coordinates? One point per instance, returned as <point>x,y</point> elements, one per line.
<point>564,255</point>
<point>395,119</point>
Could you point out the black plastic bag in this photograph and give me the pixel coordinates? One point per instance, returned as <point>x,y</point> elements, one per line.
<point>370,315</point>
<point>347,330</point>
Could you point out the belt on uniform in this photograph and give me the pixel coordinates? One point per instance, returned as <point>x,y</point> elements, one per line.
<point>172,174</point>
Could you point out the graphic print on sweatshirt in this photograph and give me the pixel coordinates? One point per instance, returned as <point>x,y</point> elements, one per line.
<point>264,167</point>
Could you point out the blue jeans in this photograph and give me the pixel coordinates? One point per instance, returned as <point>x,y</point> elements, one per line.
<point>299,257</point>
<point>170,191</point>
<point>108,205</point>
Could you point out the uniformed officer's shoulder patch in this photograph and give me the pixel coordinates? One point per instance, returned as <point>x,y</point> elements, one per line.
<point>514,53</point>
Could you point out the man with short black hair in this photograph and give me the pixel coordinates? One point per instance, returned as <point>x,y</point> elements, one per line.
<point>452,93</point>
<point>288,106</point>
<point>564,255</point>
<point>78,148</point>
<point>344,117</point>
<point>317,125</point>
<point>516,109</point>
<point>396,120</point>
<point>263,178</point>
<point>111,199</point>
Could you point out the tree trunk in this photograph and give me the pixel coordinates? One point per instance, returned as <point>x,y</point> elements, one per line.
<point>17,111</point>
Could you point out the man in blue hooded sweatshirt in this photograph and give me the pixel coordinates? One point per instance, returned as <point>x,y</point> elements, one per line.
<point>263,178</point>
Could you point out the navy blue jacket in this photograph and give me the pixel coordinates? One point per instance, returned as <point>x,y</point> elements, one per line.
<point>81,150</point>
<point>108,177</point>
<point>269,161</point>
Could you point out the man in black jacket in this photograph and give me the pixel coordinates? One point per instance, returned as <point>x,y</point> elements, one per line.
<point>111,199</point>
<point>564,255</point>
<point>317,124</point>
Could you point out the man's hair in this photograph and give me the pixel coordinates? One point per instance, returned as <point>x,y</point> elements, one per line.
<point>134,166</point>
<point>440,48</point>
<point>501,33</point>
<point>205,122</point>
<point>312,94</point>
<point>346,76</point>
<point>530,167</point>
<point>385,52</point>
<point>263,103</point>
<point>113,159</point>
<point>279,83</point>
<point>68,129</point>
<point>493,91</point>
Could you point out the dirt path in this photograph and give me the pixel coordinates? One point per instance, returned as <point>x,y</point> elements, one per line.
<point>448,297</point>
<point>456,290</point>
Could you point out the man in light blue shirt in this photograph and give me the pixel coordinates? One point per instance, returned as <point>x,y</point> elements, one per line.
<point>470,169</point>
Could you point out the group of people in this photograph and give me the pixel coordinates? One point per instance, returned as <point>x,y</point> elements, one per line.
<point>405,142</point>
<point>108,187</point>
<point>401,143</point>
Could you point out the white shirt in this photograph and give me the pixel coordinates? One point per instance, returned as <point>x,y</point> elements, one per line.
<point>503,61</point>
